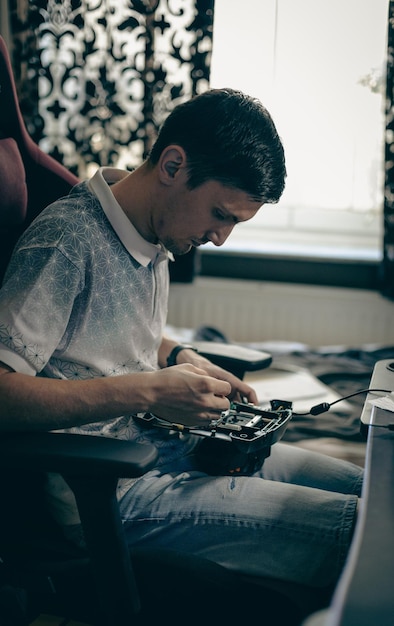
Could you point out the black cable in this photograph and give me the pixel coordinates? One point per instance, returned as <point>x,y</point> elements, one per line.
<point>325,406</point>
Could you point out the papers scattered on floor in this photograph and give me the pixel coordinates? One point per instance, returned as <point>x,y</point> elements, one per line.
<point>294,384</point>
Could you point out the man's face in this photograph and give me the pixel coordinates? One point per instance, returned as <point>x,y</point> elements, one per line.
<point>207,213</point>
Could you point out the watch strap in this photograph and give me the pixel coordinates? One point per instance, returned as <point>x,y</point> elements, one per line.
<point>171,359</point>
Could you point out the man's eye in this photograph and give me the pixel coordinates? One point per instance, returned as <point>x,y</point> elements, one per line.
<point>219,215</point>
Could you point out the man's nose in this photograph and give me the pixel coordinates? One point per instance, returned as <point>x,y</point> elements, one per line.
<point>219,236</point>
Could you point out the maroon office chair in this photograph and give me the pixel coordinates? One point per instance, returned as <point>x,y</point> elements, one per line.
<point>29,178</point>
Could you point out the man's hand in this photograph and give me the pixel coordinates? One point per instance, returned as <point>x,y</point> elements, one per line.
<point>239,390</point>
<point>187,394</point>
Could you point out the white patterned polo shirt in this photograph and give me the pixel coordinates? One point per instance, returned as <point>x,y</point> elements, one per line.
<point>86,296</point>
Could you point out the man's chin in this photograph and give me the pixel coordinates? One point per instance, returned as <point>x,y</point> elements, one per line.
<point>180,250</point>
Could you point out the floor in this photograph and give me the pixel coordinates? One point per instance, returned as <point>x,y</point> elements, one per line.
<point>50,620</point>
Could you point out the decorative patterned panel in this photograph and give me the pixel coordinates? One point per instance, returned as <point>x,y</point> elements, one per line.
<point>105,73</point>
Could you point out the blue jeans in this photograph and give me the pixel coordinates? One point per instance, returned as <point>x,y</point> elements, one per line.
<point>292,520</point>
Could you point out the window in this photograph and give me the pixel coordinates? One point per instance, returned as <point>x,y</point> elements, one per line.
<point>319,68</point>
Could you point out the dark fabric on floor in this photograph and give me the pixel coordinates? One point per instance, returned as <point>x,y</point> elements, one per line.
<point>346,371</point>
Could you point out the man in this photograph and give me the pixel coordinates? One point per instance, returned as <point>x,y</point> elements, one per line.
<point>82,313</point>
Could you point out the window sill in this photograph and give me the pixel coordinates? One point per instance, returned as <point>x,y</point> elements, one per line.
<point>338,266</point>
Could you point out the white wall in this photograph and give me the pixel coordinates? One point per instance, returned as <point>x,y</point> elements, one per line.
<point>249,311</point>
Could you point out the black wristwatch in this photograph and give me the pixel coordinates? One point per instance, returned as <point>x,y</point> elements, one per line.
<point>171,359</point>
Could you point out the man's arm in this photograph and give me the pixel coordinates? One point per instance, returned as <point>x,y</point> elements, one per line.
<point>183,393</point>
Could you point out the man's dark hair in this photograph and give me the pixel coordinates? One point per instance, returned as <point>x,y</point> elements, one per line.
<point>229,137</point>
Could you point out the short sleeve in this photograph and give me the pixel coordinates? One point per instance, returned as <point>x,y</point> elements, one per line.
<point>36,301</point>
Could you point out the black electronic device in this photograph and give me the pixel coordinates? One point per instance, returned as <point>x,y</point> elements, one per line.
<point>239,440</point>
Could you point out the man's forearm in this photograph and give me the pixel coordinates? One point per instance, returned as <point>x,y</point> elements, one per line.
<point>34,403</point>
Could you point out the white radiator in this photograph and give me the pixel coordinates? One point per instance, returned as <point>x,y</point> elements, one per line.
<point>249,311</point>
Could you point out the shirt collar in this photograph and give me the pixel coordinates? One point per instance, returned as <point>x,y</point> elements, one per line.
<point>143,251</point>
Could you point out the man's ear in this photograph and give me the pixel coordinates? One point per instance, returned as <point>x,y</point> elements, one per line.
<point>172,160</point>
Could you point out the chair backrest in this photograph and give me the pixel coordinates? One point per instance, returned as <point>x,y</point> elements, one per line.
<point>29,178</point>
